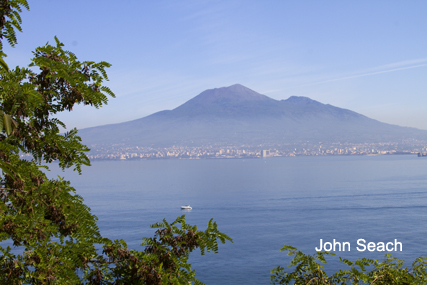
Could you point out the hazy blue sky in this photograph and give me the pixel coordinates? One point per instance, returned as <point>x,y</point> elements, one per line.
<point>367,56</point>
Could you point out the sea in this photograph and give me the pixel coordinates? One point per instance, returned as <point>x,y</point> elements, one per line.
<point>264,204</point>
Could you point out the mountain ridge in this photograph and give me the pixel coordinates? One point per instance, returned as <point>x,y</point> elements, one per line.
<point>239,115</point>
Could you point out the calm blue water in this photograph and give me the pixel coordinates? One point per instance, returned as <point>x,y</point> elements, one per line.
<point>263,204</point>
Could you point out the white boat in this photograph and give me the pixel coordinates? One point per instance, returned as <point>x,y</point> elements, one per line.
<point>187,207</point>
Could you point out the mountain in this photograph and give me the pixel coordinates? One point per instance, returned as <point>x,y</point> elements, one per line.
<point>240,116</point>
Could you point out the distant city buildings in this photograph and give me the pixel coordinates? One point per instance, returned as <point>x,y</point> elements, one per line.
<point>122,152</point>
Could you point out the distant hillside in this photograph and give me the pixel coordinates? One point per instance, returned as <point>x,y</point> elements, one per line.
<point>238,115</point>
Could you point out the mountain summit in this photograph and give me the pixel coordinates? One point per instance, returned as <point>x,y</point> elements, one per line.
<point>238,101</point>
<point>234,93</point>
<point>233,101</point>
<point>240,116</point>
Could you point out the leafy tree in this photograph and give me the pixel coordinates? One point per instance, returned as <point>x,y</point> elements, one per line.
<point>55,236</point>
<point>308,270</point>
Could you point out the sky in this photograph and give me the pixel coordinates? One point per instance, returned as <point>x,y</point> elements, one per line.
<point>366,56</point>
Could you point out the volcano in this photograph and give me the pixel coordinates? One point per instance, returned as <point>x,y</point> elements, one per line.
<point>237,115</point>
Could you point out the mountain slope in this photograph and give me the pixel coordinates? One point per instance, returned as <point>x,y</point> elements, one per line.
<point>238,115</point>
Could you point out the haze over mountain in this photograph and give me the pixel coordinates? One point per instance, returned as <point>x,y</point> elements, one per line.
<point>240,116</point>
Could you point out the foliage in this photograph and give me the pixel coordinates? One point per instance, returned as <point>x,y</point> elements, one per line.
<point>9,21</point>
<point>308,270</point>
<point>164,259</point>
<point>55,236</point>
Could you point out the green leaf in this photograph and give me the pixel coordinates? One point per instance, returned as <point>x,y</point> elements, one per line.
<point>3,64</point>
<point>7,123</point>
<point>1,122</point>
